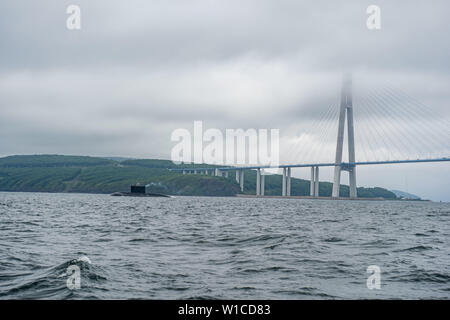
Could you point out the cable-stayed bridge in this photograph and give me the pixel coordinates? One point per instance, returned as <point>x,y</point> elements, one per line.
<point>392,128</point>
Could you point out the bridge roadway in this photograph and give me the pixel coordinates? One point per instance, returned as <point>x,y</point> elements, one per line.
<point>286,181</point>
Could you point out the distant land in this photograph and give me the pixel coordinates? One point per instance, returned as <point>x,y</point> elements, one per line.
<point>83,174</point>
<point>405,195</point>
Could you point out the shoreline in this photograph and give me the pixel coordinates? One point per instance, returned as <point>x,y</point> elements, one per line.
<point>249,196</point>
<point>309,197</point>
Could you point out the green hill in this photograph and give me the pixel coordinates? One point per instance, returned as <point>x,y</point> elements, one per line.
<point>52,161</point>
<point>57,173</point>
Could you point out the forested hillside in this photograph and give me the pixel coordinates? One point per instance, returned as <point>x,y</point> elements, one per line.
<point>58,173</point>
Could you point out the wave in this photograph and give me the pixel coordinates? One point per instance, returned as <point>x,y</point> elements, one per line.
<point>414,249</point>
<point>51,282</point>
<point>334,239</point>
<point>423,276</point>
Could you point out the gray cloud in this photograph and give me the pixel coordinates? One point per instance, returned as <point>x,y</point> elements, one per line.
<point>137,70</point>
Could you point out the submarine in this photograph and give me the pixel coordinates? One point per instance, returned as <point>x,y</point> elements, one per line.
<point>139,191</point>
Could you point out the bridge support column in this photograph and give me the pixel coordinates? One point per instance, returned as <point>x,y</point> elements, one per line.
<point>288,183</point>
<point>241,180</point>
<point>340,143</point>
<point>283,186</point>
<point>312,183</point>
<point>352,180</point>
<point>336,181</point>
<point>217,172</point>
<point>237,176</point>
<point>226,174</point>
<point>195,171</point>
<point>206,172</point>
<point>316,182</point>
<point>261,191</point>
<point>351,150</point>
<point>346,108</point>
<point>258,182</point>
<point>184,171</point>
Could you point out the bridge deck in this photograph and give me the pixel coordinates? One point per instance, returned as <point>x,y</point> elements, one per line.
<point>344,164</point>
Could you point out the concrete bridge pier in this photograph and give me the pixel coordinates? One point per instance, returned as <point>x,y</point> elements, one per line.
<point>283,186</point>
<point>288,183</point>
<point>346,110</point>
<point>316,182</point>
<point>237,176</point>
<point>261,191</point>
<point>241,180</point>
<point>226,174</point>
<point>258,182</point>
<point>352,179</point>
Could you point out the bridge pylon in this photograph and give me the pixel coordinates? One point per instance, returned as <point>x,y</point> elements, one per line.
<point>346,110</point>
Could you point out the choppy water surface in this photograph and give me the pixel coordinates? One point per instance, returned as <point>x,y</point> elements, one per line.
<point>230,248</point>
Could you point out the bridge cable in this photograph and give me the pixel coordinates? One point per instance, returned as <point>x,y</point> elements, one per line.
<point>385,128</point>
<point>299,148</point>
<point>379,144</point>
<point>360,135</point>
<point>431,133</point>
<point>329,123</point>
<point>320,127</point>
<point>400,122</point>
<point>380,102</point>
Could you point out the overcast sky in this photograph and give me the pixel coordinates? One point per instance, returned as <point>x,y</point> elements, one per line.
<point>137,70</point>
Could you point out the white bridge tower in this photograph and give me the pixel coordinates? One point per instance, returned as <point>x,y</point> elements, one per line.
<point>346,109</point>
